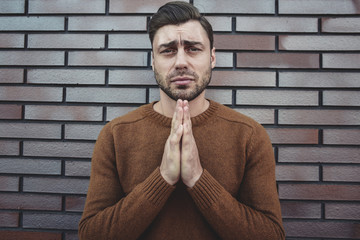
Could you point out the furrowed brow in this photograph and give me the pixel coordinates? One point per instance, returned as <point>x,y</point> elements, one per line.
<point>169,44</point>
<point>192,43</point>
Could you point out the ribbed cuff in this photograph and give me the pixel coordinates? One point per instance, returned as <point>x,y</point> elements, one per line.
<point>156,189</point>
<point>206,191</point>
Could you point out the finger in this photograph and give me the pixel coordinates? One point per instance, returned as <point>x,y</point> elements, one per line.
<point>177,117</point>
<point>175,138</point>
<point>187,118</point>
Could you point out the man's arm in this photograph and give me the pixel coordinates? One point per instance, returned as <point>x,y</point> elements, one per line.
<point>255,213</point>
<point>108,213</point>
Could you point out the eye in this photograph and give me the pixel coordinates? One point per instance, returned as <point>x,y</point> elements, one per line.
<point>168,51</point>
<point>193,49</point>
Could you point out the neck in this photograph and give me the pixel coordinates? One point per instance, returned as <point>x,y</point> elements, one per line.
<point>166,105</point>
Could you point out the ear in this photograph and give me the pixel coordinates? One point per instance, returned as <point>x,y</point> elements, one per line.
<point>213,58</point>
<point>152,60</point>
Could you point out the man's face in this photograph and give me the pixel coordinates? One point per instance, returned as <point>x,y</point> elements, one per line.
<point>182,60</point>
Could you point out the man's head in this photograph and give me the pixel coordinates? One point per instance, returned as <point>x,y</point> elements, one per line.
<point>183,55</point>
<point>176,13</point>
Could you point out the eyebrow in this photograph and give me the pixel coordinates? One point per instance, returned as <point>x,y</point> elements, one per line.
<point>184,42</point>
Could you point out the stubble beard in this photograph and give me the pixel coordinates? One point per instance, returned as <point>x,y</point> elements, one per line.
<point>182,91</point>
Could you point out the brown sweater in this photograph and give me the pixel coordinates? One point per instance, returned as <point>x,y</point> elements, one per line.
<point>235,198</point>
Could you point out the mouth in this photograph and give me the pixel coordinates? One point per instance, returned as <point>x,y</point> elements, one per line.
<point>182,80</point>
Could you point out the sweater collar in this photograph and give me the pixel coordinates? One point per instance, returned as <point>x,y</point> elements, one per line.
<point>148,111</point>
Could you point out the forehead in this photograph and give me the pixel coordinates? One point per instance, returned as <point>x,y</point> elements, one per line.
<point>191,31</point>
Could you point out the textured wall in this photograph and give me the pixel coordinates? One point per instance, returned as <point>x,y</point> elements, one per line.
<point>69,66</point>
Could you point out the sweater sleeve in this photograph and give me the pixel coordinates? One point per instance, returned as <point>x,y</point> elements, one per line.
<point>254,213</point>
<point>108,213</point>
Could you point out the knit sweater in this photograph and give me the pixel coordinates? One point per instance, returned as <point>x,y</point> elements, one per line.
<point>235,197</point>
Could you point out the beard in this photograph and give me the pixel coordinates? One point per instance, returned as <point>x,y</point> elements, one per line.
<point>182,91</point>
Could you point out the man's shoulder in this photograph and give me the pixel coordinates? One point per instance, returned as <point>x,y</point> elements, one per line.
<point>132,116</point>
<point>233,115</point>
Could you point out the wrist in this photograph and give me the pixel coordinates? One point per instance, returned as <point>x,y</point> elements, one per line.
<point>167,179</point>
<point>191,182</point>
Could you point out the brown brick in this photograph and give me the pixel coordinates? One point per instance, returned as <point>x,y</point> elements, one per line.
<point>347,25</point>
<point>303,210</point>
<point>319,79</point>
<point>319,117</point>
<point>342,136</point>
<point>220,23</point>
<point>82,131</point>
<point>10,111</point>
<point>114,112</point>
<point>30,201</point>
<point>319,43</point>
<point>120,6</point>
<point>341,60</point>
<point>246,6</point>
<point>221,96</point>
<point>319,192</point>
<point>12,40</point>
<point>276,24</point>
<point>263,116</point>
<point>67,6</point>
<point>108,58</point>
<point>341,98</point>
<point>131,77</point>
<point>75,204</point>
<point>65,76</point>
<point>9,147</point>
<point>244,42</point>
<point>30,130</point>
<point>341,173</point>
<point>30,166</point>
<point>32,23</point>
<point>91,41</point>
<point>58,149</point>
<point>13,6</point>
<point>109,95</point>
<point>297,173</point>
<point>56,185</point>
<point>11,75</point>
<point>243,78</point>
<point>319,7</point>
<point>51,221</point>
<point>348,211</point>
<point>9,219</point>
<point>319,154</point>
<point>16,235</point>
<point>131,41</point>
<point>9,183</point>
<point>277,97</point>
<point>32,58</point>
<point>36,94</point>
<point>333,230</point>
<point>277,60</point>
<point>77,168</point>
<point>293,136</point>
<point>108,23</point>
<point>224,59</point>
<point>63,113</point>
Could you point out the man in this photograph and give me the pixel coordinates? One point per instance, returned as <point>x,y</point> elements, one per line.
<point>184,167</point>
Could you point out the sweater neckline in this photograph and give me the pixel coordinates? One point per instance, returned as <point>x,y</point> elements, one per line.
<point>149,111</point>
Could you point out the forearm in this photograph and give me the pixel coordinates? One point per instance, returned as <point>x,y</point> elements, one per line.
<point>130,216</point>
<point>232,219</point>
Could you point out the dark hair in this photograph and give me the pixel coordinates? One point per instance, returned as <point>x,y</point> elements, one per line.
<point>175,13</point>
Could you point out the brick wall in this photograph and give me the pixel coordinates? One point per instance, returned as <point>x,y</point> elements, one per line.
<point>67,67</point>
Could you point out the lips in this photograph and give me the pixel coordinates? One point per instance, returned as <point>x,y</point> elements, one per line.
<point>182,80</point>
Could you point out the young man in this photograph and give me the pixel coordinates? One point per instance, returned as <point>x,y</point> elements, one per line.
<point>184,167</point>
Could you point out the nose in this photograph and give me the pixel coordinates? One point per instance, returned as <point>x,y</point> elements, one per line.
<point>181,60</point>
